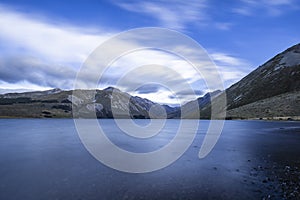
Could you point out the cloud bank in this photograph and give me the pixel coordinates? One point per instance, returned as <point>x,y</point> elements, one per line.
<point>39,54</point>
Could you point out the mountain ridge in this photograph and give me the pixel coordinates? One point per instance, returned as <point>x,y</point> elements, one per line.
<point>276,82</point>
<point>279,75</point>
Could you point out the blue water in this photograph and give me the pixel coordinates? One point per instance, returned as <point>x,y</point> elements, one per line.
<point>45,159</point>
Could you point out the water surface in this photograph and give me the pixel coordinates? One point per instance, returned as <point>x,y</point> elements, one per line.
<point>45,159</point>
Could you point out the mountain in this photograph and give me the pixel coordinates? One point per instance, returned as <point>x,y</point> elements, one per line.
<point>107,103</point>
<point>50,103</point>
<point>192,108</point>
<point>280,107</point>
<point>279,75</point>
<point>271,91</point>
<point>30,94</point>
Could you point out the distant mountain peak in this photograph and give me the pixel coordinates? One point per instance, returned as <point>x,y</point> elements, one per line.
<point>54,90</point>
<point>111,89</point>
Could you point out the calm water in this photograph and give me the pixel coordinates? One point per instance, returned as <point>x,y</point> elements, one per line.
<point>45,159</point>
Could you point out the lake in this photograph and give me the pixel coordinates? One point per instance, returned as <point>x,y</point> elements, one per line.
<point>45,159</point>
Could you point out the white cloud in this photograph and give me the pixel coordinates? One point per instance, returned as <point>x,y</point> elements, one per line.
<point>56,43</point>
<point>279,2</point>
<point>242,11</point>
<point>34,50</point>
<point>129,68</point>
<point>227,59</point>
<point>176,14</point>
<point>38,55</point>
<point>22,86</point>
<point>271,7</point>
<point>231,68</point>
<point>224,26</point>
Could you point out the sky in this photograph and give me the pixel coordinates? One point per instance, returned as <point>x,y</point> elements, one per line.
<point>45,44</point>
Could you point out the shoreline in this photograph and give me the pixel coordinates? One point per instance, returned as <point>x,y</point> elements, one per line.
<point>275,119</point>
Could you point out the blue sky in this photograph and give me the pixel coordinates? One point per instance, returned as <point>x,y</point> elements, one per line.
<point>44,43</point>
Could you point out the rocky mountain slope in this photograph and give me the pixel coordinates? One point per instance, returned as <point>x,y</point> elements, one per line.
<point>270,91</point>
<point>202,103</point>
<point>107,103</point>
<point>279,75</point>
<point>281,107</point>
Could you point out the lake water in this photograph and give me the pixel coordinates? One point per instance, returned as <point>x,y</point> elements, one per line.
<point>45,159</point>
